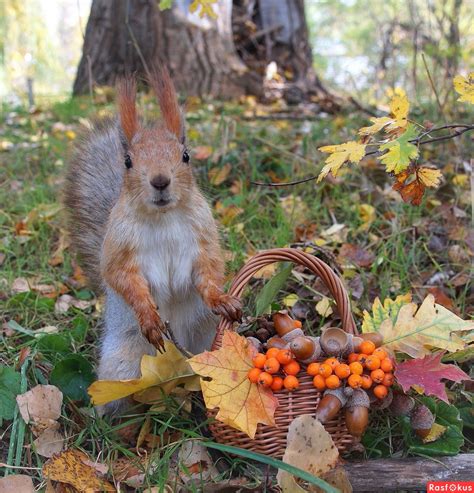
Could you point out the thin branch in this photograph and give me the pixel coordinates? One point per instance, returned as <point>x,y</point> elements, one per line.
<point>418,141</point>
<point>433,87</point>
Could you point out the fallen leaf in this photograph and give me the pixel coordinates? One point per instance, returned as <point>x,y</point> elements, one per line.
<point>290,300</point>
<point>340,154</point>
<point>71,467</point>
<point>356,255</point>
<point>49,442</point>
<point>164,370</point>
<point>19,483</point>
<point>295,209</point>
<point>242,404</point>
<point>464,86</point>
<point>417,330</point>
<point>426,373</point>
<point>400,152</point>
<point>323,307</point>
<point>367,216</point>
<point>309,447</point>
<point>20,285</point>
<point>195,463</point>
<point>219,175</point>
<point>336,477</point>
<point>66,301</point>
<point>58,256</point>
<point>380,312</point>
<point>437,431</point>
<point>202,152</point>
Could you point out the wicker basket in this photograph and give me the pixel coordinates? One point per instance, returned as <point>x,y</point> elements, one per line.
<point>271,440</point>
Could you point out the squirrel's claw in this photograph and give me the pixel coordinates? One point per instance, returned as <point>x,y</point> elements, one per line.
<point>229,307</point>
<point>154,334</point>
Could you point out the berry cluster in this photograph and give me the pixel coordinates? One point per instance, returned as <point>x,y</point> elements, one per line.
<point>369,368</point>
<point>267,366</point>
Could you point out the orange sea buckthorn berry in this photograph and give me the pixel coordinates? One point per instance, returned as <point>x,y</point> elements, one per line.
<point>284,356</point>
<point>297,324</point>
<point>292,368</point>
<point>355,381</point>
<point>259,360</point>
<point>386,365</point>
<point>253,374</point>
<point>313,369</point>
<point>271,366</point>
<point>380,353</point>
<point>325,370</point>
<point>265,379</point>
<point>356,368</point>
<point>333,382</point>
<point>272,352</point>
<point>377,375</point>
<point>277,383</point>
<point>388,380</point>
<point>319,382</point>
<point>352,357</point>
<point>342,370</point>
<point>332,362</point>
<point>380,391</point>
<point>367,347</point>
<point>291,382</point>
<point>366,382</point>
<point>372,362</point>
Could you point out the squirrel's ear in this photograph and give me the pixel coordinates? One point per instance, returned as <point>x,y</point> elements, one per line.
<point>160,81</point>
<point>126,100</point>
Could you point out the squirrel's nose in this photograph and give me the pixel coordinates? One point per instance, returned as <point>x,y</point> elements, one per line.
<point>160,182</point>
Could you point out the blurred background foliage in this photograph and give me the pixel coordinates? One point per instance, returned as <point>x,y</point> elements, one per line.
<point>360,47</point>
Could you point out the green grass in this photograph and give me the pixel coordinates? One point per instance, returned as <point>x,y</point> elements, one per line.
<point>258,150</point>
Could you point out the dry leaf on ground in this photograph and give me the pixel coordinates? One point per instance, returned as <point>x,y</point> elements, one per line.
<point>49,442</point>
<point>195,462</point>
<point>72,467</point>
<point>309,447</point>
<point>241,404</point>
<point>19,483</point>
<point>164,371</point>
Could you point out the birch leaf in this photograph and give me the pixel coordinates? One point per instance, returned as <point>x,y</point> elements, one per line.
<point>242,404</point>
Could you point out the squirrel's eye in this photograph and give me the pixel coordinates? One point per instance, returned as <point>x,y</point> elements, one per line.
<point>128,161</point>
<point>185,157</point>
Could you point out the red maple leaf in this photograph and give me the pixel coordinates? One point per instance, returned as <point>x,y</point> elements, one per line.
<point>427,373</point>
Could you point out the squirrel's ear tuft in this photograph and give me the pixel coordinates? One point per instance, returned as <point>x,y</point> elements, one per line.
<point>160,81</point>
<point>126,100</point>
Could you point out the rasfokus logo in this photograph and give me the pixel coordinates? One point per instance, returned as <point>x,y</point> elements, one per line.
<point>450,486</point>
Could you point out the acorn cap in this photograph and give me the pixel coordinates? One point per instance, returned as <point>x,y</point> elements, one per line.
<point>421,420</point>
<point>359,399</point>
<point>402,404</point>
<point>289,336</point>
<point>375,337</point>
<point>339,393</point>
<point>334,341</point>
<point>255,342</point>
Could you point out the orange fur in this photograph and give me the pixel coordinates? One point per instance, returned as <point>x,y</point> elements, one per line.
<point>126,99</point>
<point>163,87</point>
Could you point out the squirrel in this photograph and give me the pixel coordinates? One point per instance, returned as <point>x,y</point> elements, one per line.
<point>145,233</point>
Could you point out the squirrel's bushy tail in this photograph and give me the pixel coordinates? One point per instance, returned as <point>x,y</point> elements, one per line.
<point>92,186</point>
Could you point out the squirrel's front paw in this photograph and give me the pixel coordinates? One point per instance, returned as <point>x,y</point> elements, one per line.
<point>228,306</point>
<point>153,329</point>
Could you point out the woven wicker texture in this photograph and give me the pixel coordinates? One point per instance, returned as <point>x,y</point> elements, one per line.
<point>271,440</point>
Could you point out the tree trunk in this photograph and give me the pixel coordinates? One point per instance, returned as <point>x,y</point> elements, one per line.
<point>133,35</point>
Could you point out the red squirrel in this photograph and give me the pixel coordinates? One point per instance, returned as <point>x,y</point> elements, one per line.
<point>145,233</point>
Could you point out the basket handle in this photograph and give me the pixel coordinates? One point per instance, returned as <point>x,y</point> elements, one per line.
<point>317,266</point>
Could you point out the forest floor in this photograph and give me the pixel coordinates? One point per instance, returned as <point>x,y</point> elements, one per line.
<point>380,245</point>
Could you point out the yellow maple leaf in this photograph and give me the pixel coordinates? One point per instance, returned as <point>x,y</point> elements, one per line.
<point>75,468</point>
<point>339,154</point>
<point>465,87</point>
<point>381,312</point>
<point>429,177</point>
<point>242,404</point>
<point>399,108</point>
<point>206,8</point>
<point>378,124</point>
<point>417,330</point>
<point>166,370</point>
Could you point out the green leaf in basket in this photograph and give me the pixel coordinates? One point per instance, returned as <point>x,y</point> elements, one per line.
<point>271,289</point>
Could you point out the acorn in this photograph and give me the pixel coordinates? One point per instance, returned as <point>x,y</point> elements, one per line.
<point>357,413</point>
<point>334,341</point>
<point>277,342</point>
<point>306,349</point>
<point>330,404</point>
<point>421,420</point>
<point>283,323</point>
<point>375,337</point>
<point>402,404</point>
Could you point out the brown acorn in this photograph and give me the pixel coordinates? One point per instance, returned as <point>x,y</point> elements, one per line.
<point>306,349</point>
<point>421,420</point>
<point>357,413</point>
<point>283,323</point>
<point>402,404</point>
<point>334,341</point>
<point>375,337</point>
<point>277,342</point>
<point>330,404</point>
